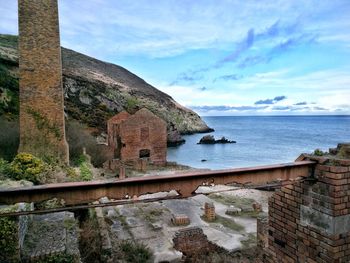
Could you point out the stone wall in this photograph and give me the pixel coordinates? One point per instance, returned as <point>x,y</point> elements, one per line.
<point>42,125</point>
<point>309,220</point>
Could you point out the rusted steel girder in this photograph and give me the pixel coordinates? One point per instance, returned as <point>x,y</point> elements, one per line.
<point>78,193</point>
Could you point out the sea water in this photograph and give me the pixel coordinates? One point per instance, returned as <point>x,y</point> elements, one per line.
<point>261,140</point>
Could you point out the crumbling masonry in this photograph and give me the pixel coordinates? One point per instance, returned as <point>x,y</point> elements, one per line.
<point>309,220</point>
<point>42,127</point>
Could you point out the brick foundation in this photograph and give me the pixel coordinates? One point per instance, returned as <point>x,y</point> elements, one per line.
<point>192,241</point>
<point>309,220</point>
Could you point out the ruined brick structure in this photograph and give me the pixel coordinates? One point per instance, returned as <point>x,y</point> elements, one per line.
<point>309,220</point>
<point>42,126</point>
<point>137,136</point>
<point>180,220</point>
<point>209,211</point>
<point>192,241</point>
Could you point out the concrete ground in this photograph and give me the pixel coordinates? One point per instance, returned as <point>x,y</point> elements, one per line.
<point>150,223</point>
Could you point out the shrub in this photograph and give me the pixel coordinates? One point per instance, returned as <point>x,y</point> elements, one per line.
<point>85,172</point>
<point>8,236</point>
<point>79,137</point>
<point>9,138</point>
<point>59,258</point>
<point>135,252</point>
<point>318,152</point>
<point>25,166</point>
<point>4,168</point>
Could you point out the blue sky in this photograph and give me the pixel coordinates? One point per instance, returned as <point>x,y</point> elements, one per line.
<point>223,57</point>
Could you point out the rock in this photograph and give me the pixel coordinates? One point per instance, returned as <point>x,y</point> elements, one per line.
<point>257,207</point>
<point>174,136</point>
<point>233,211</point>
<point>247,209</point>
<point>209,139</point>
<point>224,140</point>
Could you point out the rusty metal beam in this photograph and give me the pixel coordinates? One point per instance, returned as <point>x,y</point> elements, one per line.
<point>79,193</point>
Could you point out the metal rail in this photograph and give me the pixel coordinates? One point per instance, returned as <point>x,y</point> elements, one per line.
<point>82,193</point>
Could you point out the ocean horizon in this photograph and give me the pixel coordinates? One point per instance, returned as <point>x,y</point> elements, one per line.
<point>261,140</point>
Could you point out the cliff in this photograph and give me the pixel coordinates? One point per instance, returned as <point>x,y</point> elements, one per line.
<point>96,90</point>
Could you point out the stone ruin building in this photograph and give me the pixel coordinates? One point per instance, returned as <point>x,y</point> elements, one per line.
<point>134,138</point>
<point>42,124</point>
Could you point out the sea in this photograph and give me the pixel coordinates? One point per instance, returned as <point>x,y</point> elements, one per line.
<point>261,140</point>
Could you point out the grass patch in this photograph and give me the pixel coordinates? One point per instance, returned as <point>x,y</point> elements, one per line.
<point>250,241</point>
<point>238,202</point>
<point>232,200</point>
<point>151,214</point>
<point>228,223</point>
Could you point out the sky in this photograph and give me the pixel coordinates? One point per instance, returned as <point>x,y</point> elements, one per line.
<point>219,57</point>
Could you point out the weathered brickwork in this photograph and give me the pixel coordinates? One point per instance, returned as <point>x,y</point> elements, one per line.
<point>209,211</point>
<point>309,220</point>
<point>180,220</point>
<point>42,126</point>
<point>137,136</point>
<point>192,241</point>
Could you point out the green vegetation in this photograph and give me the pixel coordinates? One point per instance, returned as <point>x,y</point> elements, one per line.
<point>135,252</point>
<point>85,172</point>
<point>318,152</point>
<point>25,166</point>
<point>250,241</point>
<point>151,215</point>
<point>8,236</point>
<point>79,137</point>
<point>9,138</point>
<point>131,104</point>
<point>232,200</point>
<point>43,123</point>
<point>238,202</point>
<point>228,223</point>
<point>59,258</point>
<point>9,93</point>
<point>4,168</point>
<point>84,168</point>
<point>8,41</point>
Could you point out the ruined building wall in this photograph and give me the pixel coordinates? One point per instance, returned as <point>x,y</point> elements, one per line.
<point>42,126</point>
<point>309,220</point>
<point>143,130</point>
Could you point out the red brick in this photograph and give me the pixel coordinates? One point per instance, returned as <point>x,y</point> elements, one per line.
<point>339,169</point>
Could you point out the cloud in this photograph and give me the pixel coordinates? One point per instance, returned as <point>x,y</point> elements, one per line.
<point>252,61</point>
<point>245,44</point>
<point>267,101</point>
<point>320,109</point>
<point>270,101</point>
<point>228,77</point>
<point>300,103</point>
<point>281,108</point>
<point>189,78</point>
<point>279,98</point>
<point>227,108</point>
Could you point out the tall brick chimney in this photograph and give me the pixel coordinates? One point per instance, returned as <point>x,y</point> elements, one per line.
<point>42,125</point>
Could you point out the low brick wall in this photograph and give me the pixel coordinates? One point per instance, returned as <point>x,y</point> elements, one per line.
<point>192,241</point>
<point>309,220</point>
